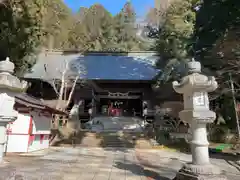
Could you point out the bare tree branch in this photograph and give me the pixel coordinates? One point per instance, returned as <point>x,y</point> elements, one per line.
<point>72,91</point>
<point>54,87</point>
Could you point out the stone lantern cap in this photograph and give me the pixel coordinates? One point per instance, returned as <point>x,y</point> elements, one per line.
<point>7,80</point>
<point>195,81</point>
<point>194,67</point>
<point>6,66</point>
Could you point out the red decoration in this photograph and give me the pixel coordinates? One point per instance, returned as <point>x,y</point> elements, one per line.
<point>238,107</point>
<point>30,129</point>
<point>31,139</point>
<point>41,138</point>
<point>9,130</point>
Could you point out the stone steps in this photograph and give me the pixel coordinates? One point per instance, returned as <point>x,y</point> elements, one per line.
<point>115,139</point>
<point>112,140</point>
<point>124,139</point>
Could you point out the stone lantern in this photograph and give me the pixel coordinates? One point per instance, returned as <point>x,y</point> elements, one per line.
<point>195,87</point>
<point>10,86</point>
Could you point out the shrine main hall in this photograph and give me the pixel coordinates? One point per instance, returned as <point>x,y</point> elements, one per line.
<point>124,80</point>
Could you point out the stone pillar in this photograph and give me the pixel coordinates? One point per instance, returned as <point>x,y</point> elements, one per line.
<point>10,86</point>
<point>196,113</point>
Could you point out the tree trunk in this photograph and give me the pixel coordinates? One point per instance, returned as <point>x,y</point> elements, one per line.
<point>60,98</point>
<point>72,91</point>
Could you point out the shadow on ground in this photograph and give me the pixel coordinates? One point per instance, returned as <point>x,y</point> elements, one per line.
<point>229,158</point>
<point>181,145</point>
<point>140,170</point>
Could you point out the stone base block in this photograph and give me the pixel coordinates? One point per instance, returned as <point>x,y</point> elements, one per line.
<point>184,176</point>
<point>195,172</point>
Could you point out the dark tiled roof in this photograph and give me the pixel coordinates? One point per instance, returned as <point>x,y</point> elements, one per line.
<point>27,100</point>
<point>137,66</point>
<point>33,102</point>
<point>117,68</point>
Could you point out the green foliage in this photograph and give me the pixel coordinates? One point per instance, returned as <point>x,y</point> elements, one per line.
<point>214,19</point>
<point>93,31</point>
<point>58,20</point>
<point>217,38</point>
<point>29,25</point>
<point>153,17</point>
<point>217,47</point>
<point>125,31</point>
<point>97,30</point>
<point>20,31</point>
<point>210,34</point>
<point>175,38</point>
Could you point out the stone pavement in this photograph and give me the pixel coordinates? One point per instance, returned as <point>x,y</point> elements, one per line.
<point>102,164</point>
<point>166,163</point>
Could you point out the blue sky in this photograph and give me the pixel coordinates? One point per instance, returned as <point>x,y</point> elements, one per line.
<point>114,6</point>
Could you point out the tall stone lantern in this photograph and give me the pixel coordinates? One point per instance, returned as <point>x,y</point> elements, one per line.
<point>195,87</point>
<point>10,86</point>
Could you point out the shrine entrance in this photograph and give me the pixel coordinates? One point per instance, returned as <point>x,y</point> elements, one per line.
<point>120,104</point>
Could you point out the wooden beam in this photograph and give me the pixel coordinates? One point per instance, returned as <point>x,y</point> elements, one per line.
<point>118,97</point>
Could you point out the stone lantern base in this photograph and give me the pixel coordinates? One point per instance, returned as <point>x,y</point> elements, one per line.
<point>197,172</point>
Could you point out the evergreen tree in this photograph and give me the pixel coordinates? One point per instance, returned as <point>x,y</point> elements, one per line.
<point>93,32</point>
<point>21,31</point>
<point>174,42</point>
<point>217,38</point>
<point>212,37</point>
<point>58,20</point>
<point>218,48</point>
<point>125,27</point>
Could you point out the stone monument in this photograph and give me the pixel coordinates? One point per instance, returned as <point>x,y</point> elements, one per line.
<point>195,87</point>
<point>10,86</point>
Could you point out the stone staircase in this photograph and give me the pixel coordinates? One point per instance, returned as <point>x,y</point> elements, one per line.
<point>112,140</point>
<point>124,140</point>
<point>116,139</point>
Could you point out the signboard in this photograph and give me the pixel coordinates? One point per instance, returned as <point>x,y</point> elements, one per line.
<point>118,94</point>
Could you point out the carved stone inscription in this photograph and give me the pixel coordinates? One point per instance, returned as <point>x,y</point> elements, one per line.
<point>199,99</point>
